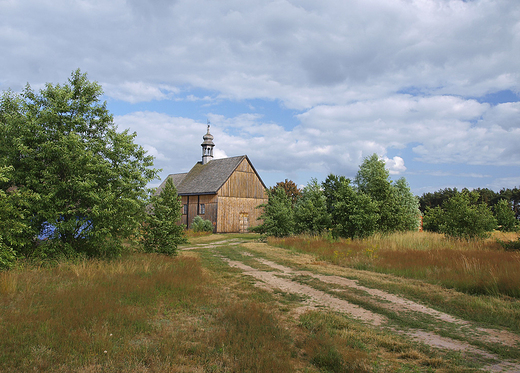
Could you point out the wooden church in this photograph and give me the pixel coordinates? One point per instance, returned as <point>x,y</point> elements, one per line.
<point>225,191</point>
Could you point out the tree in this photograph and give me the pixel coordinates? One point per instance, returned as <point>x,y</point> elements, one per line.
<point>290,188</point>
<point>278,218</point>
<point>373,179</point>
<point>310,211</point>
<point>461,217</point>
<point>408,206</point>
<point>355,213</point>
<point>330,187</point>
<point>162,232</point>
<point>505,216</point>
<point>14,232</point>
<point>89,177</point>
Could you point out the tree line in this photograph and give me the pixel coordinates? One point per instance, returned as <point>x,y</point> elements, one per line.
<point>373,203</point>
<point>345,208</point>
<point>71,184</point>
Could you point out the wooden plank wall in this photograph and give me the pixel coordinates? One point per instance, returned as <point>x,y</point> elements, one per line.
<point>243,183</point>
<point>210,202</point>
<point>230,209</point>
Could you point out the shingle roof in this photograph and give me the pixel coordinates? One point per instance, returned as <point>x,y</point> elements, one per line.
<point>205,179</point>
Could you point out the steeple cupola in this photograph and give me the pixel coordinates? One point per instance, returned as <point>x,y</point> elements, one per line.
<point>207,147</point>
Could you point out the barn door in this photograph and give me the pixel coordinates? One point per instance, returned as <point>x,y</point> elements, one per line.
<point>244,222</point>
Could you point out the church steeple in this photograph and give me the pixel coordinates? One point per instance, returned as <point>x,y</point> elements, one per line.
<point>207,147</point>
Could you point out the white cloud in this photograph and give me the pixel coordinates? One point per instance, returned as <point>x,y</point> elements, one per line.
<point>395,165</point>
<point>364,76</point>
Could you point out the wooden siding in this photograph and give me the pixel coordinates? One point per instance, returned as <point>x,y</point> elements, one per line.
<point>243,183</point>
<point>210,203</point>
<point>235,213</point>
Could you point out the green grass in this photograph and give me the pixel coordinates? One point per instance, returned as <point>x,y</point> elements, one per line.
<point>191,313</point>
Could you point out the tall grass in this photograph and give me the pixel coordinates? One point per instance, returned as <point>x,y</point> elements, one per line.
<point>474,267</point>
<point>139,313</point>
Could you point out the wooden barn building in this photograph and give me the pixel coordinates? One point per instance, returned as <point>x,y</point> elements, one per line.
<point>225,191</point>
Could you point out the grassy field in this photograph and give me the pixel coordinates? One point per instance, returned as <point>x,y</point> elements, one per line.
<point>196,313</point>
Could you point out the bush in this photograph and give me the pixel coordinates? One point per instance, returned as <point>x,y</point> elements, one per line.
<point>510,245</point>
<point>461,217</point>
<point>201,225</point>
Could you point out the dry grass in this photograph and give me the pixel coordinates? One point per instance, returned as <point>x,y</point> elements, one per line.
<point>474,267</point>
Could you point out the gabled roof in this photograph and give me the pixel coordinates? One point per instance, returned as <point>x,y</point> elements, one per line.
<point>208,178</point>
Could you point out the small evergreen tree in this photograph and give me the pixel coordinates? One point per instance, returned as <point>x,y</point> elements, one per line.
<point>408,206</point>
<point>161,232</point>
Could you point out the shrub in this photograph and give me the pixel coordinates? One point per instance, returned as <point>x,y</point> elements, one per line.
<point>510,245</point>
<point>461,217</point>
<point>201,225</point>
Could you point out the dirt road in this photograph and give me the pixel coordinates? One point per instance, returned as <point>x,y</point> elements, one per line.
<point>321,289</point>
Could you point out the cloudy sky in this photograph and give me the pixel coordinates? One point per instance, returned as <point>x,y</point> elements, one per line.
<point>304,88</point>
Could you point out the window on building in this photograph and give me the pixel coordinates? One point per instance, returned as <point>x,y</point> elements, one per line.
<point>202,209</point>
<point>185,209</point>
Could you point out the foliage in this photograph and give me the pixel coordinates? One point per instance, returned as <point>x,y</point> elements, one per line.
<point>161,232</point>
<point>374,180</point>
<point>310,211</point>
<point>89,177</point>
<point>330,187</point>
<point>290,188</point>
<point>510,245</point>
<point>408,206</point>
<point>278,216</point>
<point>461,216</point>
<point>201,225</point>
<point>355,214</point>
<point>505,216</point>
<point>14,232</point>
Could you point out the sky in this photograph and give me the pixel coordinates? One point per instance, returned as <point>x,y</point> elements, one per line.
<point>304,88</point>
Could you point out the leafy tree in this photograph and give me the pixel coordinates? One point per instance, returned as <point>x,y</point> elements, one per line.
<point>373,179</point>
<point>290,188</point>
<point>278,216</point>
<point>14,233</point>
<point>408,206</point>
<point>331,186</point>
<point>201,225</point>
<point>436,199</point>
<point>462,217</point>
<point>355,213</point>
<point>89,177</point>
<point>505,216</point>
<point>310,211</point>
<point>162,232</point>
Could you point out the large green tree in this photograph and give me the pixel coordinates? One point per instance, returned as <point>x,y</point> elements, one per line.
<point>90,177</point>
<point>373,179</point>
<point>355,213</point>
<point>310,211</point>
<point>277,216</point>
